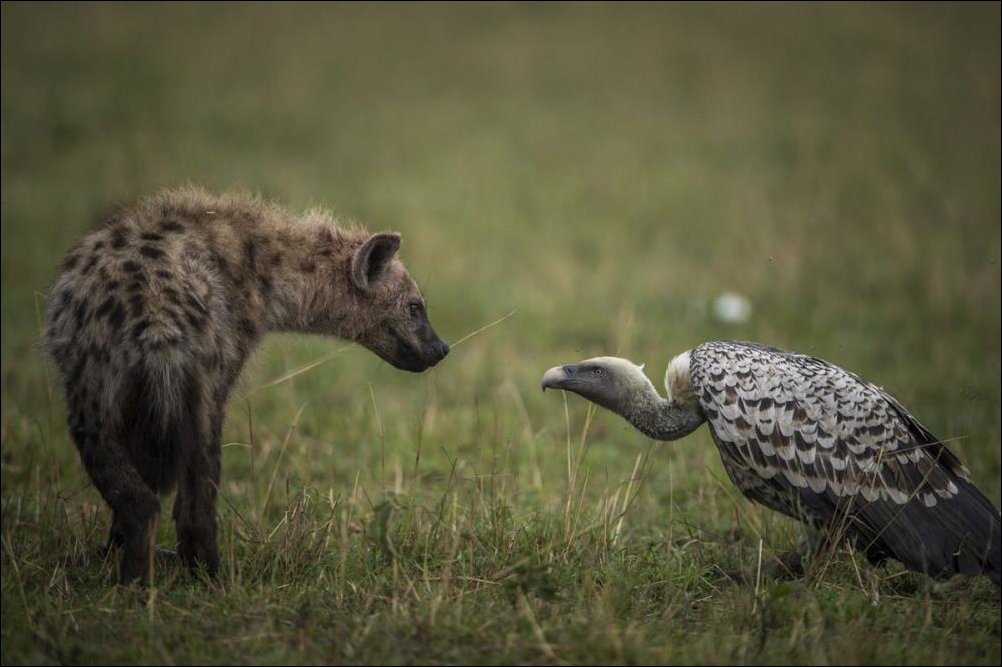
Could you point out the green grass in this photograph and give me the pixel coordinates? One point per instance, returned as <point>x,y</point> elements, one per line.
<point>603,171</point>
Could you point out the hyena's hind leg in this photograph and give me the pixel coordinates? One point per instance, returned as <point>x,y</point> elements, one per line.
<point>155,436</point>
<point>116,540</point>
<point>116,534</point>
<point>195,504</point>
<point>135,507</point>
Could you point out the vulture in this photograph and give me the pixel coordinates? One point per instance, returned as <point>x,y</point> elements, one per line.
<point>815,442</point>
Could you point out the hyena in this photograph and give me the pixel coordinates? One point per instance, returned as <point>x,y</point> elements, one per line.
<point>154,314</point>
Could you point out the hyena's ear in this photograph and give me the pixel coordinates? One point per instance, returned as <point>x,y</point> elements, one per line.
<point>373,257</point>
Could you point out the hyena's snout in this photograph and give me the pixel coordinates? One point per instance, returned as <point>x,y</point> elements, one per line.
<point>431,348</point>
<point>414,351</point>
<point>438,350</point>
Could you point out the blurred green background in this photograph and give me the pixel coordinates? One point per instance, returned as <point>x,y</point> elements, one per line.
<point>602,170</point>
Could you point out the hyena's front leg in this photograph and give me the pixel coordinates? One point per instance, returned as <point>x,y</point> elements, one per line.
<point>195,506</point>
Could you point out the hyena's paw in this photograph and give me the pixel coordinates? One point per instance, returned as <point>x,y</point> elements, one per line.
<point>197,550</point>
<point>137,534</point>
<point>136,564</point>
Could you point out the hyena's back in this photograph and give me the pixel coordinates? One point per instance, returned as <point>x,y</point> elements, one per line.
<point>139,325</point>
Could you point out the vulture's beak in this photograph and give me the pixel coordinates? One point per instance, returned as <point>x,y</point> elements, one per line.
<point>558,377</point>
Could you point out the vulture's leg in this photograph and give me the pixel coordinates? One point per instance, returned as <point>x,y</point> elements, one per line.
<point>794,563</point>
<point>791,564</point>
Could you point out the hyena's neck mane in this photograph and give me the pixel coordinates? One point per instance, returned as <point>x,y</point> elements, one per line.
<point>286,272</point>
<point>299,274</point>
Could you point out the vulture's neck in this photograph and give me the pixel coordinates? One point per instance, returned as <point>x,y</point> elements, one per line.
<point>661,418</point>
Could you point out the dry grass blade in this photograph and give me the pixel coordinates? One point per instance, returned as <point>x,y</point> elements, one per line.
<point>309,366</point>
<point>481,329</point>
<point>281,454</point>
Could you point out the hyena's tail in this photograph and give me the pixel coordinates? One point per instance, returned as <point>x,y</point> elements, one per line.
<point>161,410</point>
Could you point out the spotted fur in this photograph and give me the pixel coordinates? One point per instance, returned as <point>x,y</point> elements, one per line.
<point>154,314</point>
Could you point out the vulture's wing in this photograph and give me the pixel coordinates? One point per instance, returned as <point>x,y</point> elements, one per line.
<point>848,453</point>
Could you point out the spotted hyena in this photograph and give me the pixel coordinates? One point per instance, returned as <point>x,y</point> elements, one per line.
<point>153,315</point>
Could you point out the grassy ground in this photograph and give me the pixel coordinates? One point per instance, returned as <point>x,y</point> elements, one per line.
<point>603,172</point>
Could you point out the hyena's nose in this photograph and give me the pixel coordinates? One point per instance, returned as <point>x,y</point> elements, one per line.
<point>438,349</point>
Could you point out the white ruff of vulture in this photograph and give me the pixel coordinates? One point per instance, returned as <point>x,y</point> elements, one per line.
<point>815,442</point>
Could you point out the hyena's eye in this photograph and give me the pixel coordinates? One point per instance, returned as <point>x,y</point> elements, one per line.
<point>416,308</point>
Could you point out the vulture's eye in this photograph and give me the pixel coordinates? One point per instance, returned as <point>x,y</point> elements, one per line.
<point>598,372</point>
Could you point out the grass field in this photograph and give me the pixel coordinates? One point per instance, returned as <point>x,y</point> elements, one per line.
<point>601,172</point>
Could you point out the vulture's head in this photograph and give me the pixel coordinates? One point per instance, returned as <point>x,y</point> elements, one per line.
<point>611,382</point>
